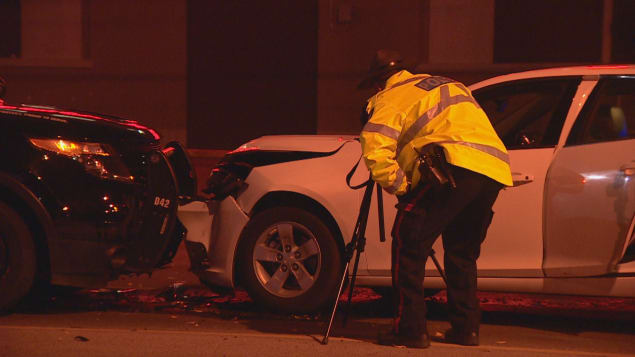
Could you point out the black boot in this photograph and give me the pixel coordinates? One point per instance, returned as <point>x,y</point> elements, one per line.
<point>390,338</point>
<point>465,338</point>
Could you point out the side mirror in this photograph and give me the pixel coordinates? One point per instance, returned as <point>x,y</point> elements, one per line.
<point>183,170</point>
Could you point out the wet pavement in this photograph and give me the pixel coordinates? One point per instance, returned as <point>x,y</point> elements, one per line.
<point>179,298</point>
<point>173,310</point>
<point>175,290</point>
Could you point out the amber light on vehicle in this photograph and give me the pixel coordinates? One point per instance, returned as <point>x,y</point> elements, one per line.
<point>70,148</point>
<point>98,159</point>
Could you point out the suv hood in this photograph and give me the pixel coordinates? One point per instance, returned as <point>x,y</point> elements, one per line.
<point>47,121</point>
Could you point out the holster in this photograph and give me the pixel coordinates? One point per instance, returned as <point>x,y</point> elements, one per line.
<point>433,166</point>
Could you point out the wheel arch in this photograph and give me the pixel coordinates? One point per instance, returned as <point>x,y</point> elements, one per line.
<point>38,220</point>
<point>291,199</point>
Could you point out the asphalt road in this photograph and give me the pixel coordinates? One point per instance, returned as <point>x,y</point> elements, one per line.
<point>171,314</point>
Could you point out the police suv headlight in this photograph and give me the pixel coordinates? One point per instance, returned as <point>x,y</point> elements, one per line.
<point>98,159</point>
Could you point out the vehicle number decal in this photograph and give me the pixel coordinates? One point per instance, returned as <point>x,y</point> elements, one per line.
<point>162,202</point>
<point>432,82</point>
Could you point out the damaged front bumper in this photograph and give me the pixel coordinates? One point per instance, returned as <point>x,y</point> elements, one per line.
<point>119,227</point>
<point>213,231</point>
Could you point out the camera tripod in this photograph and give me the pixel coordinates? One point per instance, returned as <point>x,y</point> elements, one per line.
<point>358,243</point>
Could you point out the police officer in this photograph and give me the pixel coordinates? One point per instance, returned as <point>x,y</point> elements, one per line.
<point>409,115</point>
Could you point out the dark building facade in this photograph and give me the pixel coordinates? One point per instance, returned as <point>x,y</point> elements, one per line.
<point>215,74</point>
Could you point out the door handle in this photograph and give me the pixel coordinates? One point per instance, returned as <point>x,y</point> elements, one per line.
<point>521,179</point>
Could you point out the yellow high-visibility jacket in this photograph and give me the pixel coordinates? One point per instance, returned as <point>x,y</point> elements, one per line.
<point>417,110</point>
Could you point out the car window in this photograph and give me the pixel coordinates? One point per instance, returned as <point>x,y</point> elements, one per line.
<point>528,113</point>
<point>608,115</point>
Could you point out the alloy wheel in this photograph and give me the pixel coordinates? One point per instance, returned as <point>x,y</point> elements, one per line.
<point>287,259</point>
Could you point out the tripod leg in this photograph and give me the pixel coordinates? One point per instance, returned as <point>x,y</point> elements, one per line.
<point>436,263</point>
<point>325,340</point>
<point>350,288</point>
<point>356,244</point>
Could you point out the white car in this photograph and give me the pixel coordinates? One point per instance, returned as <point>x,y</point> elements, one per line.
<point>566,227</point>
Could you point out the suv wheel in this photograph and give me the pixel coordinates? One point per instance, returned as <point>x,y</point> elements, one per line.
<point>289,261</point>
<point>17,258</point>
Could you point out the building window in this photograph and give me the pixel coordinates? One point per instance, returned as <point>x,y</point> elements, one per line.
<point>10,34</point>
<point>623,31</point>
<point>548,31</point>
<point>36,32</point>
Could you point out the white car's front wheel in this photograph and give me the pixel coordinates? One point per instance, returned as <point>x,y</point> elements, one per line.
<point>289,261</point>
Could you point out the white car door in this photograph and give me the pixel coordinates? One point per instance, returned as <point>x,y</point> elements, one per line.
<point>590,200</point>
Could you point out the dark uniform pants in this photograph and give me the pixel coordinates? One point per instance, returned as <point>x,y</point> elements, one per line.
<point>461,215</point>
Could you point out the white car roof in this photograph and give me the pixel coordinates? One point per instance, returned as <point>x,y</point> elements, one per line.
<point>594,70</point>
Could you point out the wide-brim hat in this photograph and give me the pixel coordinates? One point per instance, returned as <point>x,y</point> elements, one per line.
<point>384,63</point>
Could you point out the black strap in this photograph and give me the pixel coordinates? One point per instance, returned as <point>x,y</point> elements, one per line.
<point>380,198</point>
<point>350,174</point>
<point>380,210</point>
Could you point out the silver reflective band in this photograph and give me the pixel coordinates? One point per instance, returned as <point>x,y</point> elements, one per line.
<point>445,102</point>
<point>398,181</point>
<point>463,88</point>
<point>382,129</point>
<point>481,147</point>
<point>467,92</point>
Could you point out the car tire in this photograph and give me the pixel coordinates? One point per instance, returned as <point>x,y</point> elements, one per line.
<point>289,260</point>
<point>17,258</point>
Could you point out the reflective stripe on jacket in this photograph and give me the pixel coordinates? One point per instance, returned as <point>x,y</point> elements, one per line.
<point>417,110</point>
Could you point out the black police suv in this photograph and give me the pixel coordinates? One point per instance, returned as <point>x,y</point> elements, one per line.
<point>84,198</point>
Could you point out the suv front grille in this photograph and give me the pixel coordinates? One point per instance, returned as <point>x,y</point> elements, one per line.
<point>136,158</point>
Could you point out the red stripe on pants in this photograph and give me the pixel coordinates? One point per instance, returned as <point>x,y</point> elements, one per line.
<point>395,271</point>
